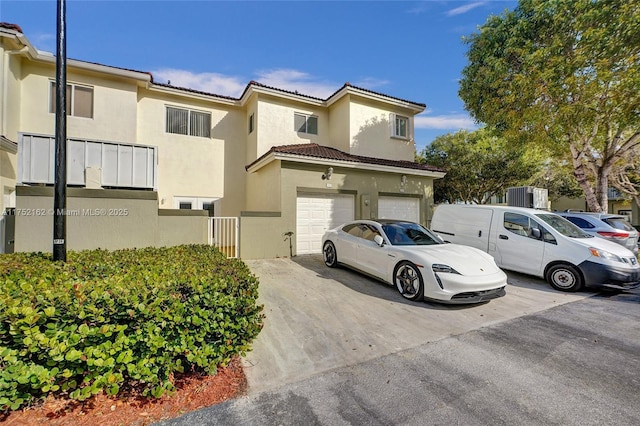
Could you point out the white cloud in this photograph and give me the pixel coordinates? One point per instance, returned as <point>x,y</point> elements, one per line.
<point>445,122</point>
<point>370,83</point>
<point>297,81</point>
<point>44,42</point>
<point>280,78</point>
<point>218,84</point>
<point>464,9</point>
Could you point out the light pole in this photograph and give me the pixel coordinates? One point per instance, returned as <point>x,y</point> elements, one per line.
<point>60,184</point>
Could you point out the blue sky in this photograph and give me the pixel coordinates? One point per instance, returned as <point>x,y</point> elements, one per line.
<point>407,49</point>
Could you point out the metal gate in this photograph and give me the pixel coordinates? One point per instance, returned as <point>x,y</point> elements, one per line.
<point>224,234</point>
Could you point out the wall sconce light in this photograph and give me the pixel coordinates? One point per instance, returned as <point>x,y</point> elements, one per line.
<point>403,180</point>
<point>327,175</point>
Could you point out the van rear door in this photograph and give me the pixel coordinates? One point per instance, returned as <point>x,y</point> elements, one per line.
<point>466,225</point>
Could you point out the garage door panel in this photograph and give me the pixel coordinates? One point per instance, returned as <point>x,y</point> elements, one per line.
<point>317,213</point>
<point>401,208</point>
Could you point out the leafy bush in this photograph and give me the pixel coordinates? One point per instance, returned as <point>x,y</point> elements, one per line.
<point>128,318</point>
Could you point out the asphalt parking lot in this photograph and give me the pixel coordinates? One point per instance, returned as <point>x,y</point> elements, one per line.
<point>341,349</point>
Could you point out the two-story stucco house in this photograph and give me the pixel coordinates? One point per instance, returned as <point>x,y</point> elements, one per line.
<point>285,163</point>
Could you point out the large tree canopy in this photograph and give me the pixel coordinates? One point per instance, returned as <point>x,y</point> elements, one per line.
<point>564,74</point>
<point>479,165</point>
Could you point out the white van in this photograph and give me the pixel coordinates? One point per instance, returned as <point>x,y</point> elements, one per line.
<point>539,243</point>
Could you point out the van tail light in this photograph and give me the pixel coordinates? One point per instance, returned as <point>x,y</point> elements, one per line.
<point>614,234</point>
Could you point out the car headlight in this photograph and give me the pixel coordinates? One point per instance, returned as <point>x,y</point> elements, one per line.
<point>438,267</point>
<point>604,254</point>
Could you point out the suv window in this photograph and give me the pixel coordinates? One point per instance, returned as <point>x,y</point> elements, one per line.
<point>580,222</point>
<point>618,223</point>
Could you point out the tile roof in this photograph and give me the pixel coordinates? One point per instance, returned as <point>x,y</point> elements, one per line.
<point>347,84</point>
<point>324,152</point>
<point>199,92</point>
<point>257,84</point>
<point>10,26</point>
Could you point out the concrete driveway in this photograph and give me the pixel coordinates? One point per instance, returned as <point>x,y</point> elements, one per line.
<point>320,319</point>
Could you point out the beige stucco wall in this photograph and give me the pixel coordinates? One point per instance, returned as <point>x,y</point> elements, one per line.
<point>176,227</point>
<point>263,189</point>
<point>114,105</point>
<point>340,131</point>
<point>276,123</point>
<point>566,203</point>
<point>262,236</point>
<point>188,166</point>
<point>8,174</point>
<point>298,178</point>
<point>11,99</point>
<point>370,132</point>
<point>108,219</point>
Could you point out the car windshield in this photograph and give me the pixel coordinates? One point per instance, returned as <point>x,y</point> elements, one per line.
<point>563,226</point>
<point>409,234</point>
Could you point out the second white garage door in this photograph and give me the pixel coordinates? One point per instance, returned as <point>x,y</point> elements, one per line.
<point>317,213</point>
<point>402,208</point>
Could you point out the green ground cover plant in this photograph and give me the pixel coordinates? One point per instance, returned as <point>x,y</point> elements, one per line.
<point>112,320</point>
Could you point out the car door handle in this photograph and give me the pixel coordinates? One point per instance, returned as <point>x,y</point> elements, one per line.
<point>503,237</point>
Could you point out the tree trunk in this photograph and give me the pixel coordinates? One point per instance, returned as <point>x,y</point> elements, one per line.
<point>602,187</point>
<point>581,176</point>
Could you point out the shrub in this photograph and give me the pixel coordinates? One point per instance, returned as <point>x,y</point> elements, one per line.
<point>105,320</point>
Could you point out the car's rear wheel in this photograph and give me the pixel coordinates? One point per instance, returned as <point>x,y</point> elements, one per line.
<point>408,281</point>
<point>565,277</point>
<point>330,255</point>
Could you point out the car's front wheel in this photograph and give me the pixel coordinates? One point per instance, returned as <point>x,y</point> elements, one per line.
<point>408,281</point>
<point>330,255</point>
<point>564,277</point>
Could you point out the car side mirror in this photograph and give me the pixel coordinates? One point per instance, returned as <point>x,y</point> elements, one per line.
<point>379,240</point>
<point>535,233</point>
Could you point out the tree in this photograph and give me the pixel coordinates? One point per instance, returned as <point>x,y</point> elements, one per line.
<point>564,74</point>
<point>557,177</point>
<point>479,165</point>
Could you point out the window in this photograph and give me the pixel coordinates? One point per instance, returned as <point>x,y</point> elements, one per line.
<point>306,124</point>
<point>196,203</point>
<point>524,226</point>
<point>208,206</point>
<point>187,122</point>
<point>79,100</point>
<point>579,222</point>
<point>400,126</point>
<point>251,124</point>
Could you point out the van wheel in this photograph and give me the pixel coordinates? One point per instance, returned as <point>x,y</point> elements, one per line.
<point>330,255</point>
<point>564,277</point>
<point>408,281</point>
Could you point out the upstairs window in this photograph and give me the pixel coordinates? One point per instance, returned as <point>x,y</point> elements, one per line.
<point>188,122</point>
<point>79,100</point>
<point>306,123</point>
<point>251,124</point>
<point>400,126</point>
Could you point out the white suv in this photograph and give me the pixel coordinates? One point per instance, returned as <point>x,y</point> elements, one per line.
<point>609,226</point>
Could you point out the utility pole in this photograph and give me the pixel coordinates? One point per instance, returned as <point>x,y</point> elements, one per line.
<point>60,184</point>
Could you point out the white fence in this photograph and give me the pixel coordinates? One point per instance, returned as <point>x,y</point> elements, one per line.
<point>224,233</point>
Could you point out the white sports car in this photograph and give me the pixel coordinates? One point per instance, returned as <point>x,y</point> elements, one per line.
<point>416,261</point>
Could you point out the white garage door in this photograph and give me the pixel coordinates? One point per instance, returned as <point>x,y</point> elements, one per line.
<point>402,208</point>
<point>316,214</point>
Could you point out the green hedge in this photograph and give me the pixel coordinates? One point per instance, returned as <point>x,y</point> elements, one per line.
<point>112,320</point>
